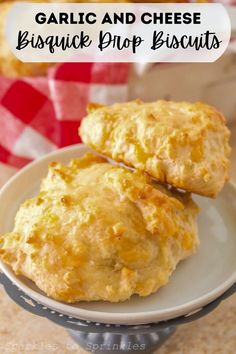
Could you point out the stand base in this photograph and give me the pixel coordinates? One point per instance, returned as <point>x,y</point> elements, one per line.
<point>101,343</point>
<point>106,338</point>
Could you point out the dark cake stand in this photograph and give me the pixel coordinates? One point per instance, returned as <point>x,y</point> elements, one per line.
<point>108,338</point>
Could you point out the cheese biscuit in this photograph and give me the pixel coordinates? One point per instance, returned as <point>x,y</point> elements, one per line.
<point>179,143</point>
<point>97,231</point>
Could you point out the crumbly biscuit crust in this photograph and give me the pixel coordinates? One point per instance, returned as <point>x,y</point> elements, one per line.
<point>180,143</point>
<point>100,232</point>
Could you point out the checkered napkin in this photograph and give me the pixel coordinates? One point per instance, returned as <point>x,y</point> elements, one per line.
<point>39,115</point>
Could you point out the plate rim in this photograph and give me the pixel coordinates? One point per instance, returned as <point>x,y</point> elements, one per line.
<point>134,318</point>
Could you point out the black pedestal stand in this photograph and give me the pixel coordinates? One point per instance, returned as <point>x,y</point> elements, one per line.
<point>107,338</point>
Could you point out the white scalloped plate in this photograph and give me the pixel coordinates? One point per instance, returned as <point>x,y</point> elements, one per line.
<point>196,281</point>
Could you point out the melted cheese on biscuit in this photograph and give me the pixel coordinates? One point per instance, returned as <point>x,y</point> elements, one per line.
<point>183,144</point>
<point>100,232</point>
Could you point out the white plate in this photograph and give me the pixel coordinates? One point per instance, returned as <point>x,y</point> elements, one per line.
<point>196,282</point>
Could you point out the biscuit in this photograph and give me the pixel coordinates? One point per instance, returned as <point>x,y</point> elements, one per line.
<point>97,231</point>
<point>9,65</point>
<point>179,143</point>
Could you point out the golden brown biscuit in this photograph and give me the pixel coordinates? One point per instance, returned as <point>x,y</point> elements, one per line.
<point>180,143</point>
<point>100,232</point>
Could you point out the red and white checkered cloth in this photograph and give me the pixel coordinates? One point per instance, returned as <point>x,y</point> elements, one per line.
<point>39,115</point>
